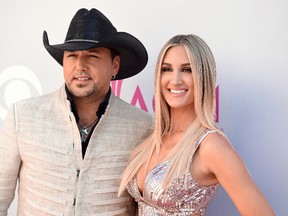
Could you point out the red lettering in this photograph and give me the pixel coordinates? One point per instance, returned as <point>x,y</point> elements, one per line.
<point>116,86</point>
<point>139,97</point>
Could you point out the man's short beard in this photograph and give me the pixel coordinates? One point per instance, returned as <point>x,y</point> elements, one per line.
<point>79,92</point>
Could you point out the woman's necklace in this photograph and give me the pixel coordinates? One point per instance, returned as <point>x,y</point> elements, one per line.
<point>85,129</point>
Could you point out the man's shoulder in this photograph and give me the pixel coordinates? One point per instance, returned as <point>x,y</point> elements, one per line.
<point>44,99</point>
<point>118,102</point>
<point>125,109</point>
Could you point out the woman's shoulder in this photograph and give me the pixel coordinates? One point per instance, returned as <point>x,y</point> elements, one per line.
<point>214,141</point>
<point>215,152</point>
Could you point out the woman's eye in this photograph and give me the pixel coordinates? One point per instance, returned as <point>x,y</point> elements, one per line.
<point>166,69</point>
<point>188,69</point>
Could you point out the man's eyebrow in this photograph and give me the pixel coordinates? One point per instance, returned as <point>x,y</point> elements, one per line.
<point>93,50</point>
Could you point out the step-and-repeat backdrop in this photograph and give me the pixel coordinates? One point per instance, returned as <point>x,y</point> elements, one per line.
<point>248,39</point>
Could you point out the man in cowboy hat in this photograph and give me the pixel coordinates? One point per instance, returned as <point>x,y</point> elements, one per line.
<point>68,148</point>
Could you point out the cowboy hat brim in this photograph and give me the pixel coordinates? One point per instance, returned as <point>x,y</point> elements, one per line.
<point>133,55</point>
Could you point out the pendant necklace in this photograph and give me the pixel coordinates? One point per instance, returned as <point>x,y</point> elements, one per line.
<point>85,129</point>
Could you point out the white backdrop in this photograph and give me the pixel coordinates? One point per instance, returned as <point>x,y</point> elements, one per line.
<point>248,39</point>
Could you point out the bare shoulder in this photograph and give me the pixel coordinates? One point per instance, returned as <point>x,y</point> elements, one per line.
<point>216,147</point>
<point>215,141</point>
<point>211,155</point>
<point>219,159</point>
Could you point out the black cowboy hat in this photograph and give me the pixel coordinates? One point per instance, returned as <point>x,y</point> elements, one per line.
<point>90,29</point>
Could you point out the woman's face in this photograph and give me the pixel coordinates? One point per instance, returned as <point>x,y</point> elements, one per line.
<point>176,80</point>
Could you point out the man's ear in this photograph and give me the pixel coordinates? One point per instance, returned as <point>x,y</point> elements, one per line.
<point>116,66</point>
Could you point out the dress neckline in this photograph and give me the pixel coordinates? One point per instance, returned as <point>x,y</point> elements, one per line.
<point>164,163</point>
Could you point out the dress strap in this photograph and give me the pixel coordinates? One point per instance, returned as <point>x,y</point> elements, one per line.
<point>202,137</point>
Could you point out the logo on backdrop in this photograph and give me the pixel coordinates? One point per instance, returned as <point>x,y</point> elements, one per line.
<point>17,83</point>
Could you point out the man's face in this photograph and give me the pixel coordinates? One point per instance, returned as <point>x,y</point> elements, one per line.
<point>88,73</point>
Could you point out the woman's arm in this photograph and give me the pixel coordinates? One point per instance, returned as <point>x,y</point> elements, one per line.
<point>223,161</point>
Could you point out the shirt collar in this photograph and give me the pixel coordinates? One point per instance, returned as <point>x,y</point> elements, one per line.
<point>101,109</point>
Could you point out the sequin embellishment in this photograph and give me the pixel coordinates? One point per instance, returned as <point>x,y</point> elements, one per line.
<point>176,200</point>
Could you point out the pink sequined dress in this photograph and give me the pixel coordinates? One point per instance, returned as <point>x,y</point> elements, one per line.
<point>176,200</point>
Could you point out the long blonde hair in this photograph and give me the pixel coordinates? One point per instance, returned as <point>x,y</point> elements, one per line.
<point>204,78</point>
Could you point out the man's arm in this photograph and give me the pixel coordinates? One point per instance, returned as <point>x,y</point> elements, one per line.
<point>9,162</point>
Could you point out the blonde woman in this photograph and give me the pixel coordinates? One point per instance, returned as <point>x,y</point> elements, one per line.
<point>178,169</point>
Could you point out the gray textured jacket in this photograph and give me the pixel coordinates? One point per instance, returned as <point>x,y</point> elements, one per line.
<point>40,145</point>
